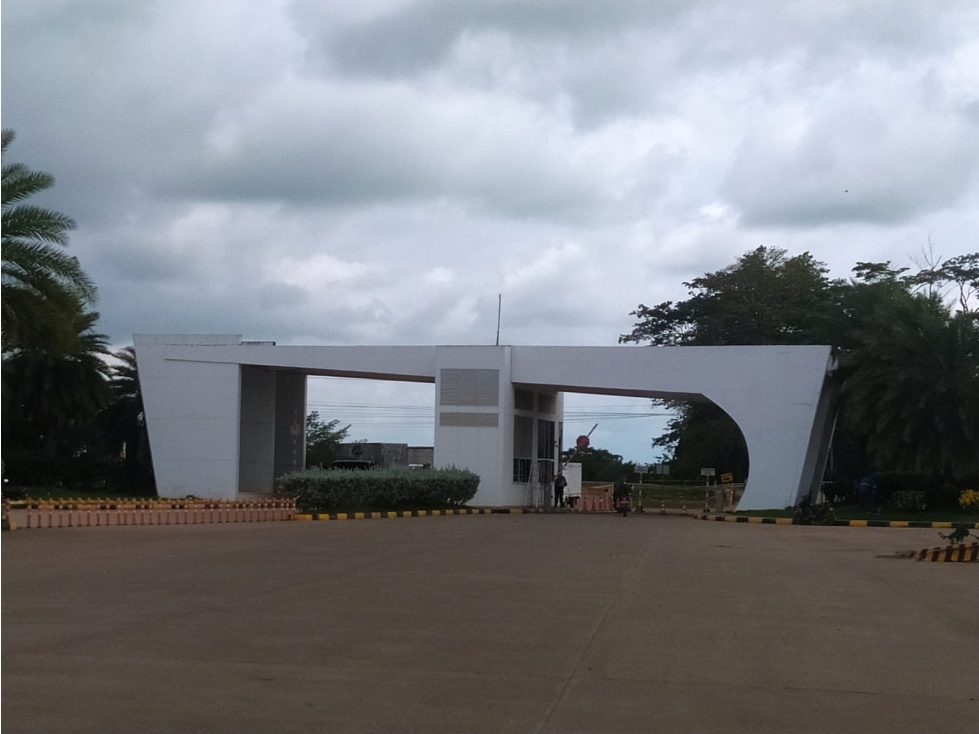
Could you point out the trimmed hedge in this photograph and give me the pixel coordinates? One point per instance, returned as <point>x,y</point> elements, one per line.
<point>339,490</point>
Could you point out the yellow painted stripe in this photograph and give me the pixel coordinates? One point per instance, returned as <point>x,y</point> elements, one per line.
<point>730,518</point>
<point>392,514</point>
<point>341,516</point>
<point>422,513</point>
<point>436,512</point>
<point>941,524</point>
<point>376,515</point>
<point>358,516</point>
<point>783,520</point>
<point>898,523</point>
<point>516,510</point>
<point>755,519</point>
<point>302,517</point>
<point>858,523</point>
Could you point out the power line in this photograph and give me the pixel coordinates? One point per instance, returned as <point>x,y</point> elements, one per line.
<point>386,414</point>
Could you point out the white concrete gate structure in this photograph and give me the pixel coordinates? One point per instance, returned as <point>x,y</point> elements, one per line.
<point>227,416</point>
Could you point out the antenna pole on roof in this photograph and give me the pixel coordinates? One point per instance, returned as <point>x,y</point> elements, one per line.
<point>499,311</point>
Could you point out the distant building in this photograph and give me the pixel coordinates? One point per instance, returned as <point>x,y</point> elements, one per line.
<point>388,455</point>
<point>421,456</point>
<point>381,455</point>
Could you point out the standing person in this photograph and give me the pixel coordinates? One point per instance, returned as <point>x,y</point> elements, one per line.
<point>867,493</point>
<point>621,488</point>
<point>559,484</point>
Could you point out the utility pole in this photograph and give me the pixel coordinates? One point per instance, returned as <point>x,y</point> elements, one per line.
<point>499,312</point>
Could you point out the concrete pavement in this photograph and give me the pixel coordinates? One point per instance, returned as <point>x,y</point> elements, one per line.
<point>513,623</point>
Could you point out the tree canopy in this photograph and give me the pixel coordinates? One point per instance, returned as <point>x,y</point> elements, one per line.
<point>909,360</point>
<point>323,439</point>
<point>42,284</point>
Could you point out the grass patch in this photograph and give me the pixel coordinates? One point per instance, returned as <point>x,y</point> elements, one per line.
<point>61,494</point>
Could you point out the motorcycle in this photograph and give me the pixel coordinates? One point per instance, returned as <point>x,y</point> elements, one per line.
<point>623,503</point>
<point>809,513</point>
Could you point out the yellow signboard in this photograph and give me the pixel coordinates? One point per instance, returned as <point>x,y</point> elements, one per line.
<point>727,478</point>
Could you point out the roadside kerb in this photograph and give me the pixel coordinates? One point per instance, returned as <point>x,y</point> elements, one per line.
<point>312,516</point>
<point>45,514</point>
<point>751,519</point>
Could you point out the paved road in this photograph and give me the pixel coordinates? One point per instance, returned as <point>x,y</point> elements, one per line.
<point>486,624</point>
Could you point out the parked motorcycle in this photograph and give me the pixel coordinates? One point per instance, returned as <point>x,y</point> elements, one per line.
<point>808,513</point>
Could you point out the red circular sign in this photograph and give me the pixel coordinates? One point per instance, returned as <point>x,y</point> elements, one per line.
<point>582,442</point>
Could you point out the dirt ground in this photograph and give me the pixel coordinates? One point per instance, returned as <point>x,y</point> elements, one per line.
<point>520,623</point>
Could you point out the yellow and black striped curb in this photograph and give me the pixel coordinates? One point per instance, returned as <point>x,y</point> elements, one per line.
<point>148,504</point>
<point>962,553</point>
<point>842,523</point>
<point>416,513</point>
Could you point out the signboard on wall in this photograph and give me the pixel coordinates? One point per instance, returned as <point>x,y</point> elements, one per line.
<point>709,472</point>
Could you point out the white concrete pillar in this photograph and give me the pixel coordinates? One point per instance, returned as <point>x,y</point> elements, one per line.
<point>474,418</point>
<point>191,415</point>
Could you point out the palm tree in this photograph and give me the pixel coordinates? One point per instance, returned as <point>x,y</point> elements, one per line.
<point>47,391</point>
<point>125,420</point>
<point>913,387</point>
<point>41,283</point>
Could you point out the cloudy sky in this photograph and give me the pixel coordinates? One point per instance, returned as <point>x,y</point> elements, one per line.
<point>378,172</point>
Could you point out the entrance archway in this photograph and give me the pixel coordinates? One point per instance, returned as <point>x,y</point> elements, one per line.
<point>198,391</point>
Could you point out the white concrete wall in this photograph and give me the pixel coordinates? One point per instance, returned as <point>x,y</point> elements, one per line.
<point>572,472</point>
<point>773,393</point>
<point>192,418</point>
<point>484,450</point>
<point>779,396</point>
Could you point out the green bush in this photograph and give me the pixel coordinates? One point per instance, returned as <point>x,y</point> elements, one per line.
<point>938,492</point>
<point>338,490</point>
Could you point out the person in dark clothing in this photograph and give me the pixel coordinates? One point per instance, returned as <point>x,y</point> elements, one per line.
<point>621,488</point>
<point>559,485</point>
<point>867,493</point>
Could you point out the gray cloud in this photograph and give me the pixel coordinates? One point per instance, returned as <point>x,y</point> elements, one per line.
<point>379,172</point>
<point>857,159</point>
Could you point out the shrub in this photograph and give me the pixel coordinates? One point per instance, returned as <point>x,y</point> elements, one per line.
<point>938,493</point>
<point>337,490</point>
<point>839,491</point>
<point>969,500</point>
<point>910,500</point>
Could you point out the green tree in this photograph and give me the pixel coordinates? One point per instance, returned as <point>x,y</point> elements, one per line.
<point>703,435</point>
<point>124,420</point>
<point>41,284</point>
<point>323,440</point>
<point>766,297</point>
<point>51,389</point>
<point>912,386</point>
<point>907,362</point>
<point>598,465</point>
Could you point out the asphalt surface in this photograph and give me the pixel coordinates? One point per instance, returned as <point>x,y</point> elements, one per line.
<point>533,623</point>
